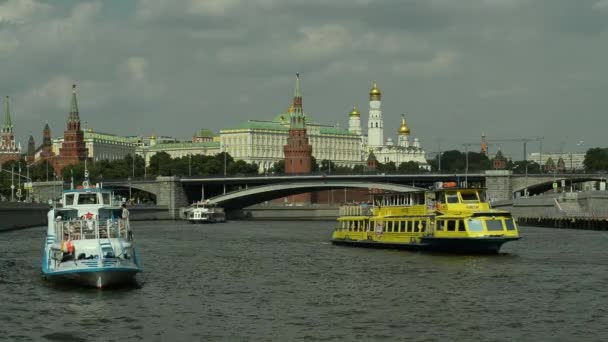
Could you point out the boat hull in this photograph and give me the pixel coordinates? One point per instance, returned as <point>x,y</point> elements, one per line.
<point>487,245</point>
<point>95,278</point>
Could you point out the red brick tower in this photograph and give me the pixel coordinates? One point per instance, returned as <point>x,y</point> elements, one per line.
<point>9,150</point>
<point>73,148</point>
<point>298,151</point>
<point>47,144</point>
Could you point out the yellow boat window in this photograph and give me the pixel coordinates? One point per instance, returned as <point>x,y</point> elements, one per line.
<point>440,225</point>
<point>452,198</point>
<point>475,225</point>
<point>403,227</point>
<point>422,226</point>
<point>510,224</point>
<point>451,226</point>
<point>494,225</point>
<point>461,227</point>
<point>469,197</point>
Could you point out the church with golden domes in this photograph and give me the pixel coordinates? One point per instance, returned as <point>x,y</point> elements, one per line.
<point>405,150</point>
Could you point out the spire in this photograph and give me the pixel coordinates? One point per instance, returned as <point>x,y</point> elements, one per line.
<point>74,106</point>
<point>297,115</point>
<point>7,126</point>
<point>297,92</point>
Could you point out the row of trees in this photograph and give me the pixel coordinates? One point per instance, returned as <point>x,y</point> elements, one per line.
<point>162,164</point>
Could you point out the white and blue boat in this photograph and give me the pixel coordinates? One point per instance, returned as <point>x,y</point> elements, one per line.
<point>89,242</point>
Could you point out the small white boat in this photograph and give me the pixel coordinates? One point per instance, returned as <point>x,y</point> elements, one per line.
<point>88,242</point>
<point>204,212</point>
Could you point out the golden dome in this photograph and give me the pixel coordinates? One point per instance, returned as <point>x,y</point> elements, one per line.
<point>375,90</point>
<point>290,109</point>
<point>403,130</point>
<point>355,112</point>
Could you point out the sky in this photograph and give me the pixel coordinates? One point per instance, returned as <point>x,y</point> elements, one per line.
<point>510,68</point>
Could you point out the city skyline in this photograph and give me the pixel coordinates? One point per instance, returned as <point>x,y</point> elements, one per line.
<point>455,69</point>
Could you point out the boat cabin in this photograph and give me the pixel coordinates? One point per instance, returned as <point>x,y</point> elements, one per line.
<point>88,197</point>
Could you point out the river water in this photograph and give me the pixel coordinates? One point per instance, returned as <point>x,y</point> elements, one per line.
<point>283,281</point>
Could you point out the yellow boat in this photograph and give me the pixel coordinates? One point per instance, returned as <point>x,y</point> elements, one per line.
<point>454,219</point>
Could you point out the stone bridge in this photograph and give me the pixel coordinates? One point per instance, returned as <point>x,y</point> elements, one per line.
<point>176,192</point>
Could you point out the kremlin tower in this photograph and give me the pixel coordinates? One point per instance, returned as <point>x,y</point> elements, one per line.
<point>375,133</point>
<point>47,144</point>
<point>9,150</point>
<point>298,151</point>
<point>73,150</point>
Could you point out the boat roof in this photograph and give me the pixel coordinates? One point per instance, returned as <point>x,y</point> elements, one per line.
<point>87,190</point>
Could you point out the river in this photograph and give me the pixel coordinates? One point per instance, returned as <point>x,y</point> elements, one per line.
<point>283,281</point>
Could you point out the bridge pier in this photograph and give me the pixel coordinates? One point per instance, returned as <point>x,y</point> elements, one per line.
<point>498,185</point>
<point>42,192</point>
<point>171,194</point>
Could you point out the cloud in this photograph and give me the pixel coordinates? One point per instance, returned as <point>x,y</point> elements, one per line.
<point>478,64</point>
<point>20,11</point>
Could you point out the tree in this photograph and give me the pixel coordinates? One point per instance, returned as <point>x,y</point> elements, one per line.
<point>278,168</point>
<point>161,164</point>
<point>596,159</point>
<point>409,168</point>
<point>388,167</point>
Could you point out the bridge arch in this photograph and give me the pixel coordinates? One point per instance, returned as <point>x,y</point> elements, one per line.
<point>546,185</point>
<point>243,198</point>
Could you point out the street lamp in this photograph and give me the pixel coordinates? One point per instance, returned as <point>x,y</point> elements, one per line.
<point>13,183</point>
<point>225,148</point>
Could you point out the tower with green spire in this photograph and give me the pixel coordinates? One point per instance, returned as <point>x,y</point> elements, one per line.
<point>73,149</point>
<point>298,151</point>
<point>9,150</point>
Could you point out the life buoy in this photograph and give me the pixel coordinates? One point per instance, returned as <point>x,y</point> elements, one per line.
<point>67,247</point>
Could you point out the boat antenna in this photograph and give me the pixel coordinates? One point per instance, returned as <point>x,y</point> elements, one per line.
<point>85,182</point>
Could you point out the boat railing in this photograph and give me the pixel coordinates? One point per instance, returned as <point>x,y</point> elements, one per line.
<point>355,210</point>
<point>93,229</point>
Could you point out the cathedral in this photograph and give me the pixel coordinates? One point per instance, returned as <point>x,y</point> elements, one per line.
<point>404,150</point>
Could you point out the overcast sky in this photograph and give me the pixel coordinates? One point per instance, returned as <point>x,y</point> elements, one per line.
<point>510,68</point>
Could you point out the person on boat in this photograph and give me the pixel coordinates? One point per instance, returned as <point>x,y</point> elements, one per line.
<point>67,248</point>
<point>125,211</point>
<point>125,218</point>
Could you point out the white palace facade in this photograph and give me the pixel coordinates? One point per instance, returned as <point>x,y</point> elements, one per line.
<point>261,142</point>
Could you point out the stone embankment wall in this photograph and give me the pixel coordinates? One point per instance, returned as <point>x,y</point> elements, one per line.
<point>579,210</point>
<point>22,215</point>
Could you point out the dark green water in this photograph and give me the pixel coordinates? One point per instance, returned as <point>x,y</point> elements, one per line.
<point>282,281</point>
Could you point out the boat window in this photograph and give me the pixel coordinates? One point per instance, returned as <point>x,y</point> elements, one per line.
<point>416,228</point>
<point>494,225</point>
<point>452,198</point>
<point>106,198</point>
<point>475,225</point>
<point>87,199</point>
<point>440,224</point>
<point>461,226</point>
<point>469,197</point>
<point>451,226</point>
<point>422,225</point>
<point>510,223</point>
<point>403,227</point>
<point>69,199</point>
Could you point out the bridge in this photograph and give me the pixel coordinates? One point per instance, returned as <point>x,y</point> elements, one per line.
<point>239,192</point>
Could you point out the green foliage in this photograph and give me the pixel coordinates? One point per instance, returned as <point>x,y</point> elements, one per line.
<point>596,159</point>
<point>410,167</point>
<point>278,168</point>
<point>519,167</point>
